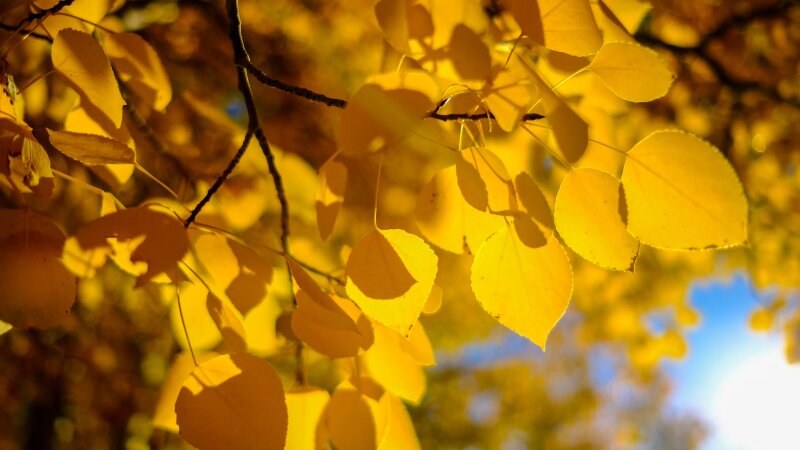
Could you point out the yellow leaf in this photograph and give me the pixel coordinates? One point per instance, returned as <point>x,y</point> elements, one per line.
<point>350,422</point>
<point>393,367</point>
<point>588,218</point>
<point>382,111</point>
<point>420,261</point>
<point>241,273</point>
<point>31,168</point>
<point>526,289</point>
<point>37,290</point>
<point>418,346</point>
<point>531,198</point>
<point>376,269</point>
<point>633,72</point>
<point>229,322</point>
<point>393,19</point>
<point>90,148</point>
<point>570,130</point>
<point>80,15</point>
<point>193,311</point>
<point>79,57</point>
<point>400,434</point>
<point>434,301</point>
<point>332,185</point>
<point>469,55</point>
<point>138,64</point>
<point>566,26</point>
<point>681,193</point>
<point>328,331</point>
<point>306,405</point>
<point>182,366</point>
<point>447,220</point>
<point>488,177</point>
<point>164,239</point>
<point>508,100</point>
<point>233,401</point>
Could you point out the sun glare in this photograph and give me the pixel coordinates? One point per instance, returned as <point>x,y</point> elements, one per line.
<point>757,406</point>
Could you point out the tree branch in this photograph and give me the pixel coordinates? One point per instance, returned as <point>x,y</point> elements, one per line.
<point>242,60</point>
<point>220,179</point>
<point>333,102</point>
<point>32,17</point>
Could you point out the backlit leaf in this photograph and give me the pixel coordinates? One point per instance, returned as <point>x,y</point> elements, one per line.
<point>526,289</point>
<point>392,366</point>
<point>567,26</point>
<point>420,261</point>
<point>350,421</point>
<point>376,269</point>
<point>333,182</point>
<point>447,220</point>
<point>79,57</point>
<point>138,64</point>
<point>382,111</point>
<point>570,130</point>
<point>305,405</point>
<point>90,148</point>
<point>37,290</point>
<point>329,331</point>
<point>164,238</point>
<point>469,54</point>
<point>681,193</point>
<point>588,218</point>
<point>233,401</point>
<point>633,72</point>
<point>182,366</point>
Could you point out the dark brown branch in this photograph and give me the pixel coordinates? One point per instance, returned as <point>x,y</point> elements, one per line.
<point>33,34</point>
<point>220,179</point>
<point>32,17</point>
<point>308,94</point>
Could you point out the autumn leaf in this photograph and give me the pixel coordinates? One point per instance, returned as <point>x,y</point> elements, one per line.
<point>635,73</point>
<point>376,269</point>
<point>91,149</point>
<point>419,261</point>
<point>588,215</point>
<point>79,58</point>
<point>681,193</point>
<point>164,238</point>
<point>138,64</point>
<point>526,289</point>
<point>233,401</point>
<point>30,251</point>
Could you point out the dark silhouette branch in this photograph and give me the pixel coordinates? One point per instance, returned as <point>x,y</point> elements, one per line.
<point>333,102</point>
<point>220,179</point>
<point>242,60</point>
<point>38,15</point>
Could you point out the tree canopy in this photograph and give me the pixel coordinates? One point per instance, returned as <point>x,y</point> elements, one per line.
<point>280,224</point>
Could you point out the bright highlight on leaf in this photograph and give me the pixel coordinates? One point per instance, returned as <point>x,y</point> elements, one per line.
<point>567,26</point>
<point>633,72</point>
<point>681,193</point>
<point>79,57</point>
<point>589,219</point>
<point>526,289</point>
<point>419,261</point>
<point>91,149</point>
<point>305,405</point>
<point>233,401</point>
<point>37,291</point>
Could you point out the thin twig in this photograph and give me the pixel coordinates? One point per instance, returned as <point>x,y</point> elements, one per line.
<point>32,17</point>
<point>333,102</point>
<point>220,179</point>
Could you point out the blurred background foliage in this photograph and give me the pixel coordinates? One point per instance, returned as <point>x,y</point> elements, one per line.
<point>94,382</point>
